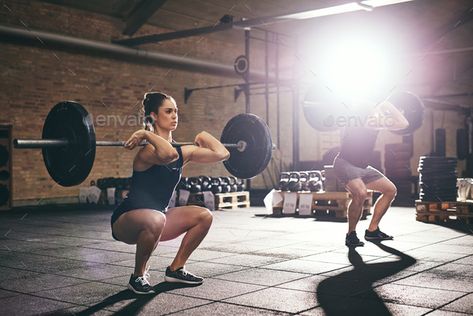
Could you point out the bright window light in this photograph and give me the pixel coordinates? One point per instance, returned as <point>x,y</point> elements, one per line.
<point>342,8</point>
<point>356,68</point>
<point>355,65</point>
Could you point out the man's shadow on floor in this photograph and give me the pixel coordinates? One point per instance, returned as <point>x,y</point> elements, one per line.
<point>352,293</point>
<point>134,307</point>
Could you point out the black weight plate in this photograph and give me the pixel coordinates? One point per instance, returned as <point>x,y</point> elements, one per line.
<point>4,194</point>
<point>436,170</point>
<point>428,166</point>
<point>438,192</point>
<point>69,165</point>
<point>448,193</point>
<point>412,107</point>
<point>437,175</point>
<point>437,159</point>
<point>437,187</point>
<point>433,196</point>
<point>438,198</point>
<point>4,175</point>
<point>440,180</point>
<point>322,110</point>
<point>443,194</point>
<point>436,179</point>
<point>437,163</point>
<point>434,167</point>
<point>4,156</point>
<point>254,159</point>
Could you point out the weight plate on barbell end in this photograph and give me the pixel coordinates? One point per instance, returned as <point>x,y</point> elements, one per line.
<point>322,110</point>
<point>412,107</point>
<point>254,159</point>
<point>69,165</point>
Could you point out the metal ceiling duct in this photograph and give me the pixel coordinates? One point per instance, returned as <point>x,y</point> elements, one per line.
<point>57,41</point>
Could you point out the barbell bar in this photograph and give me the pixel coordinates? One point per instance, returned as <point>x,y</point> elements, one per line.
<point>45,143</point>
<point>68,144</point>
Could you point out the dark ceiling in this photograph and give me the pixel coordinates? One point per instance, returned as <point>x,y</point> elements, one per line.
<point>439,32</point>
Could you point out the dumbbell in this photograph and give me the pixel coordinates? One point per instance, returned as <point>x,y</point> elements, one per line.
<point>315,181</point>
<point>205,183</point>
<point>195,186</point>
<point>215,185</point>
<point>294,183</point>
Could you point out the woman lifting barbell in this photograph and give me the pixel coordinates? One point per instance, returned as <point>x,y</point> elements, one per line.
<point>143,218</point>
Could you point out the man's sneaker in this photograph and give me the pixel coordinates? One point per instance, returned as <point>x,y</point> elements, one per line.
<point>182,276</point>
<point>351,240</point>
<point>140,285</point>
<point>377,235</point>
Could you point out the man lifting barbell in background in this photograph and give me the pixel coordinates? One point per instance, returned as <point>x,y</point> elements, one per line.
<point>351,166</point>
<point>143,218</point>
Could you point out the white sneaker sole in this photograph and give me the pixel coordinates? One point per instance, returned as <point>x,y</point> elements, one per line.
<point>141,293</point>
<point>174,280</point>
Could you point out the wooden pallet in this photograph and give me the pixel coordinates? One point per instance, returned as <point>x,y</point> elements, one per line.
<point>464,208</point>
<point>231,200</point>
<point>438,212</point>
<point>329,205</point>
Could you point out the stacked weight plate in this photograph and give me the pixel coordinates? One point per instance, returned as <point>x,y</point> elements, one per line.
<point>437,178</point>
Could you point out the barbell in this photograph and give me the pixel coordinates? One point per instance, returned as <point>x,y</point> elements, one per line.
<point>68,144</point>
<point>323,111</point>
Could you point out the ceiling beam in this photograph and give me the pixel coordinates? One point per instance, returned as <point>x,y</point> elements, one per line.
<point>140,14</point>
<point>341,6</point>
<point>450,26</point>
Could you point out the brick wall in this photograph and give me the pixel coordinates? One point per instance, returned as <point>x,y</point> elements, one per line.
<point>34,78</point>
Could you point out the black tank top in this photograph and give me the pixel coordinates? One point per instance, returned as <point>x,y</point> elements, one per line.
<point>358,145</point>
<point>152,188</point>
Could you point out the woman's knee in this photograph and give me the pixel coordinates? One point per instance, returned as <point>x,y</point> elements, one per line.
<point>205,216</point>
<point>155,224</point>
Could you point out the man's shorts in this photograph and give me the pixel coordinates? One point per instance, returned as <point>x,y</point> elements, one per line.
<point>346,172</point>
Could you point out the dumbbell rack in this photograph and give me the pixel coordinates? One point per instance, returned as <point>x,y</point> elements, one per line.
<point>230,200</point>
<point>438,212</point>
<point>328,206</point>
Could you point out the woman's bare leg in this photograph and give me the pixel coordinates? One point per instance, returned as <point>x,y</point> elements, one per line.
<point>142,227</point>
<point>195,221</point>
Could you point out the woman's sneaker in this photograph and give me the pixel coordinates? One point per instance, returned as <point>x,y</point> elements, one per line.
<point>377,235</point>
<point>140,285</point>
<point>182,276</point>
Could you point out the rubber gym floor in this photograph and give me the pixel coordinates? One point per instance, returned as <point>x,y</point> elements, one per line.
<point>64,261</point>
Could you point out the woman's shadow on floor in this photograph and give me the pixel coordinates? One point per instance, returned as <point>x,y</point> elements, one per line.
<point>132,308</point>
<point>352,293</point>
